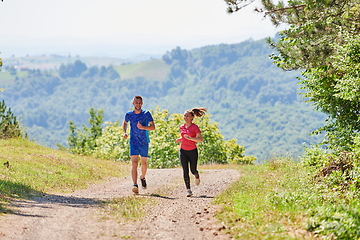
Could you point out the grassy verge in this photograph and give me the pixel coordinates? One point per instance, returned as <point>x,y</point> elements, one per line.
<point>28,169</point>
<point>269,201</point>
<point>283,200</point>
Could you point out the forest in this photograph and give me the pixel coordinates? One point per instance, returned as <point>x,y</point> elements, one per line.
<point>249,98</point>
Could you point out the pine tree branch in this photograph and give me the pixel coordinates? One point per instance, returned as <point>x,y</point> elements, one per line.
<point>285,8</point>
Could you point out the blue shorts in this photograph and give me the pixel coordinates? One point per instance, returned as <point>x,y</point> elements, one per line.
<point>139,150</point>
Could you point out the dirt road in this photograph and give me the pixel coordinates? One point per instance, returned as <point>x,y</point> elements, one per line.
<point>78,215</point>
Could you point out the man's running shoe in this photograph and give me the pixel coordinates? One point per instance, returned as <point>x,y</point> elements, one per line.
<point>143,182</point>
<point>197,181</point>
<point>135,189</point>
<point>189,193</point>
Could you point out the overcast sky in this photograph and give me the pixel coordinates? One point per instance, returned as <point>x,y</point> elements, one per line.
<point>123,27</point>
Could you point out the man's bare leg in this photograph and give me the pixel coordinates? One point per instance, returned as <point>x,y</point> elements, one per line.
<point>134,166</point>
<point>134,161</point>
<point>144,167</point>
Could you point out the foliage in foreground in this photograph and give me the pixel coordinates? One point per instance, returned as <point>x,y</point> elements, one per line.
<point>163,151</point>
<point>282,200</point>
<point>337,178</point>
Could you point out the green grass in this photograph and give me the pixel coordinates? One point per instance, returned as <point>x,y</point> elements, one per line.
<point>128,208</point>
<point>152,70</point>
<point>27,169</point>
<point>7,78</point>
<point>267,202</point>
<point>282,200</point>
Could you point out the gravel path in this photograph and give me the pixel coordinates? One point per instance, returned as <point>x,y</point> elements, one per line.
<point>78,215</point>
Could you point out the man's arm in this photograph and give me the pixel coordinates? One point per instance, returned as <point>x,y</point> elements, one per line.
<point>150,127</point>
<point>124,127</point>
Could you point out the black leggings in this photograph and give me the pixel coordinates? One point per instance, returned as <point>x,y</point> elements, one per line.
<point>187,157</point>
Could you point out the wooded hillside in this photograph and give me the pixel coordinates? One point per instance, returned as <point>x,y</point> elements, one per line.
<point>248,96</point>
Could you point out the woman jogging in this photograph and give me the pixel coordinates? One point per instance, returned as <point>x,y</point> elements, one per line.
<point>190,135</point>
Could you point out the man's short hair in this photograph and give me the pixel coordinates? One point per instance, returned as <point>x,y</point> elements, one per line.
<point>138,97</point>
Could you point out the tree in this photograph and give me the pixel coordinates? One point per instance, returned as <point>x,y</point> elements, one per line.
<point>322,41</point>
<point>79,67</point>
<point>9,124</point>
<point>83,141</point>
<point>111,73</point>
<point>90,72</point>
<point>103,72</point>
<point>182,56</point>
<point>72,70</point>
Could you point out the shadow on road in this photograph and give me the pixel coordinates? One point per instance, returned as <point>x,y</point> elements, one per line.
<point>46,201</point>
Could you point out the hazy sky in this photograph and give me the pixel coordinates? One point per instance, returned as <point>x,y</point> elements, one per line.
<point>123,27</point>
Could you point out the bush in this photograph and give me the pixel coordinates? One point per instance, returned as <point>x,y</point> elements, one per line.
<point>111,144</point>
<point>163,149</point>
<point>339,172</point>
<point>337,221</point>
<point>336,176</point>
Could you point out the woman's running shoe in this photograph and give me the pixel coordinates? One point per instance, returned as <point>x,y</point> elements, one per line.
<point>189,193</point>
<point>197,181</point>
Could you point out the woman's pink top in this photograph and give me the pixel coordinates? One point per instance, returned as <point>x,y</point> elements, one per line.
<point>192,131</point>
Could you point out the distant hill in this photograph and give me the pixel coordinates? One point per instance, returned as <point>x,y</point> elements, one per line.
<point>54,61</point>
<point>250,99</point>
<point>154,70</point>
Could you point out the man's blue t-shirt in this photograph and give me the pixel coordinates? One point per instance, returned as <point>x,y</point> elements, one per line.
<point>139,137</point>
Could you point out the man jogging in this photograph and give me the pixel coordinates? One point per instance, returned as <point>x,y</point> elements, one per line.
<point>141,122</point>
